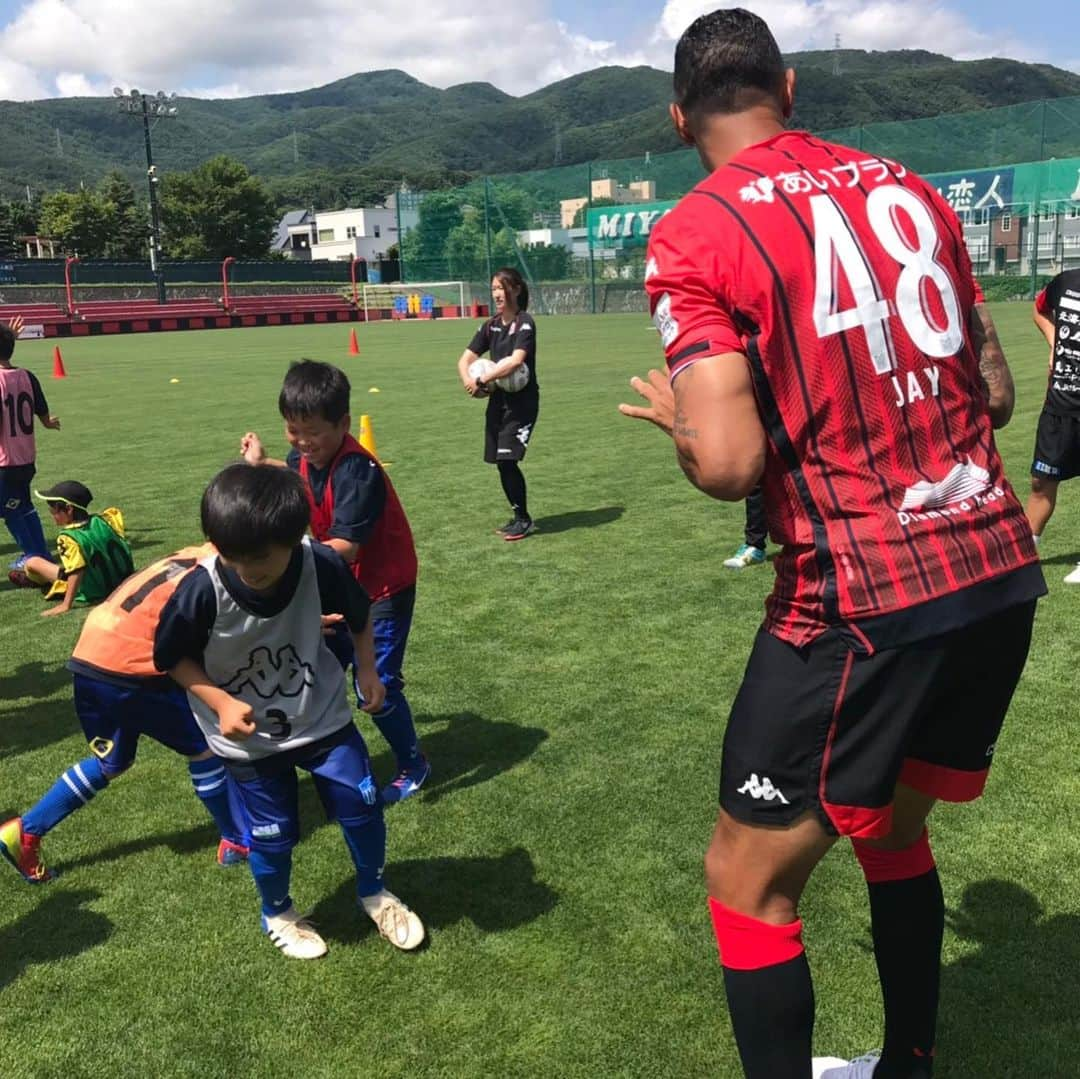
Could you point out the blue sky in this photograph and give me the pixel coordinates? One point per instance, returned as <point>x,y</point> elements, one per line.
<point>233,47</point>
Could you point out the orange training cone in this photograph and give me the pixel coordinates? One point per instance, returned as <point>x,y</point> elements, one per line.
<point>365,436</point>
<point>58,363</point>
<point>354,346</point>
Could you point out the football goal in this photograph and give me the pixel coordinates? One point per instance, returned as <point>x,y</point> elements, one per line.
<point>416,297</point>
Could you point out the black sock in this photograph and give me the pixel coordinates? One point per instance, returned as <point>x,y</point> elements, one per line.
<point>907,923</point>
<point>772,1014</point>
<point>513,485</point>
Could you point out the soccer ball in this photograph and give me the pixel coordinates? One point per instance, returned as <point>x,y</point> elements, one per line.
<point>518,379</point>
<point>481,369</point>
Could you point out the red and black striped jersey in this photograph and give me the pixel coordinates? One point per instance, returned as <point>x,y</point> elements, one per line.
<point>844,280</point>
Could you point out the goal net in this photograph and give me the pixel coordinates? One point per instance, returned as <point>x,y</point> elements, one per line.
<point>415,296</point>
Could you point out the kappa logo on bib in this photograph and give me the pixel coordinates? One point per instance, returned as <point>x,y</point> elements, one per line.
<point>285,675</point>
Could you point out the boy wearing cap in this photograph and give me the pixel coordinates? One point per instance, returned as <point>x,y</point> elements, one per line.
<point>94,557</point>
<point>21,400</point>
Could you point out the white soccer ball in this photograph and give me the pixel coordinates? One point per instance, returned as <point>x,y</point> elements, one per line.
<point>518,379</point>
<point>481,369</point>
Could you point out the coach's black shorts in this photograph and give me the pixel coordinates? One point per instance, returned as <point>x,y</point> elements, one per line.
<point>1057,447</point>
<point>508,425</point>
<point>827,729</point>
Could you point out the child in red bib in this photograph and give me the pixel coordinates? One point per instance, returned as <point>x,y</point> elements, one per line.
<point>355,510</point>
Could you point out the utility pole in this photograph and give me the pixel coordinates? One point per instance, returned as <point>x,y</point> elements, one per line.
<point>836,55</point>
<point>160,107</point>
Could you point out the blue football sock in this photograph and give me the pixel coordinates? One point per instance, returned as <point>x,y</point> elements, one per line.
<point>367,845</point>
<point>24,524</point>
<point>210,781</point>
<point>70,792</point>
<point>272,871</point>
<point>395,723</point>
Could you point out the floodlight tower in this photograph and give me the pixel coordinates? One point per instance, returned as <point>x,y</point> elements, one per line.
<point>160,106</point>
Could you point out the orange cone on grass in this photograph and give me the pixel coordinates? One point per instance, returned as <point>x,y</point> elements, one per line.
<point>354,345</point>
<point>58,363</point>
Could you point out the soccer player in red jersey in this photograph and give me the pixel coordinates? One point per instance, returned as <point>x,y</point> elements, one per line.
<point>824,337</point>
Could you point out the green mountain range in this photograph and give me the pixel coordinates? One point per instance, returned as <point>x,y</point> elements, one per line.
<point>364,133</point>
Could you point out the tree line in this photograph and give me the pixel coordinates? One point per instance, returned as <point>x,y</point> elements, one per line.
<point>216,209</point>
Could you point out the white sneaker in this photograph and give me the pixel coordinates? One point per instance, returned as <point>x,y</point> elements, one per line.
<point>294,935</point>
<point>1074,576</point>
<point>838,1068</point>
<point>745,556</point>
<point>394,920</point>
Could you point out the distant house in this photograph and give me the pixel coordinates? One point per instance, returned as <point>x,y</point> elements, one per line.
<point>367,233</point>
<point>638,191</point>
<point>295,234</point>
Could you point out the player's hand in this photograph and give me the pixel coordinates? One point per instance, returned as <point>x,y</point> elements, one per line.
<point>51,612</point>
<point>661,408</point>
<point>251,449</point>
<point>236,720</point>
<point>474,389</point>
<point>53,423</point>
<point>17,324</point>
<point>329,621</point>
<point>372,690</point>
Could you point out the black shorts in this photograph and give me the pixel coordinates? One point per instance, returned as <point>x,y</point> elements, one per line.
<point>508,425</point>
<point>1057,447</point>
<point>830,730</point>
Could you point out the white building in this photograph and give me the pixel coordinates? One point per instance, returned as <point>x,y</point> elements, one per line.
<point>366,233</point>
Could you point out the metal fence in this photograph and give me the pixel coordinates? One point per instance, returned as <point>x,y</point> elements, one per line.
<point>578,233</point>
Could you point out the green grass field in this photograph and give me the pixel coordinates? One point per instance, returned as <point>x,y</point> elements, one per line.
<point>571,691</point>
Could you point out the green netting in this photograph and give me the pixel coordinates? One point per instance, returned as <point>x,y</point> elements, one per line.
<point>578,233</point>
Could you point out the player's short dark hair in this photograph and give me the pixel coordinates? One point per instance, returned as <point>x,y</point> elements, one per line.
<point>726,62</point>
<point>248,509</point>
<point>513,282</point>
<point>314,390</point>
<point>7,341</point>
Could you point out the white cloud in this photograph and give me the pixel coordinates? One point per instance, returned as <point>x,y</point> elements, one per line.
<point>877,24</point>
<point>241,47</point>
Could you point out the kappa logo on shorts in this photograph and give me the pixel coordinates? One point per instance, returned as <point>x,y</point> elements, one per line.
<point>523,434</point>
<point>763,790</point>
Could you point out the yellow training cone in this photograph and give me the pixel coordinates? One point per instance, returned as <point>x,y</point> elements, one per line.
<point>366,437</point>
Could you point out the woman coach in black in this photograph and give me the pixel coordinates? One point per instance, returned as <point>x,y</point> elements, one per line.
<point>510,337</point>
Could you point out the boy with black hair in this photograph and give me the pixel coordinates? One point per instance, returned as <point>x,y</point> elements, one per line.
<point>94,556</point>
<point>119,696</point>
<point>355,510</point>
<point>21,399</point>
<point>243,635</point>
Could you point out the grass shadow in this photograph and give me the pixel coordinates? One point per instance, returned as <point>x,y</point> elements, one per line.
<point>57,928</point>
<point>186,841</point>
<point>1062,559</point>
<point>566,522</point>
<point>36,680</point>
<point>494,893</point>
<point>470,750</point>
<point>1010,1008</point>
<point>25,729</point>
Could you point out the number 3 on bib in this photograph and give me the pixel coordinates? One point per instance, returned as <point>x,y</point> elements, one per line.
<point>836,249</point>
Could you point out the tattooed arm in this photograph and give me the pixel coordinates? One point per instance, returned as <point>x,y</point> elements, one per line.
<point>994,370</point>
<point>711,414</point>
